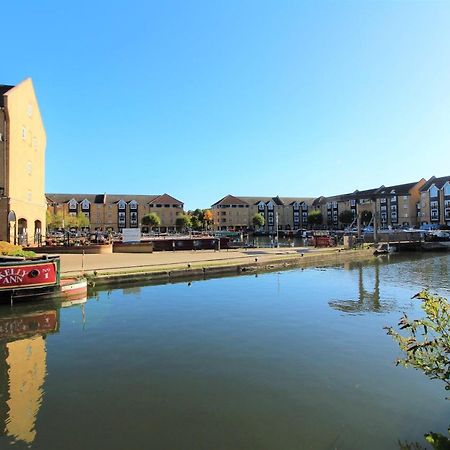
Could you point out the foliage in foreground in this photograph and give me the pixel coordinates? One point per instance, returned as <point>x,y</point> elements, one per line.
<point>8,249</point>
<point>426,347</point>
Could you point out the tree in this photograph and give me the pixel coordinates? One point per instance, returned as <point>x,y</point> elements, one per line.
<point>151,220</point>
<point>54,220</point>
<point>71,221</point>
<point>207,217</point>
<point>183,222</point>
<point>258,220</point>
<point>426,347</point>
<point>315,217</point>
<point>346,217</point>
<point>82,220</point>
<point>196,224</point>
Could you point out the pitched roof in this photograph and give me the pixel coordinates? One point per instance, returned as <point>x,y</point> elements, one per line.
<point>438,182</point>
<point>64,198</point>
<point>4,88</point>
<point>230,200</point>
<point>112,198</point>
<point>399,188</point>
<point>165,198</point>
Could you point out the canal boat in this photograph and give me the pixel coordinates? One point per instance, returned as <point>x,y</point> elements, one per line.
<point>28,277</point>
<point>37,277</point>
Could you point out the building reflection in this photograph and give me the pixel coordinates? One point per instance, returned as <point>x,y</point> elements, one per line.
<point>23,367</point>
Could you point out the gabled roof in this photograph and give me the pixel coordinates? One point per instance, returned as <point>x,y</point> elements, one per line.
<point>4,88</point>
<point>167,199</point>
<point>438,182</point>
<point>112,198</point>
<point>230,200</point>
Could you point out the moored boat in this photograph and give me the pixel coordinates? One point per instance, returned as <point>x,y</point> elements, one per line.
<point>28,277</point>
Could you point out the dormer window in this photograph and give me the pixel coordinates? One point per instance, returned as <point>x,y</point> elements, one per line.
<point>296,205</point>
<point>133,204</point>
<point>73,204</point>
<point>270,206</point>
<point>447,188</point>
<point>261,206</point>
<point>304,207</point>
<point>434,191</point>
<point>85,204</point>
<point>121,204</point>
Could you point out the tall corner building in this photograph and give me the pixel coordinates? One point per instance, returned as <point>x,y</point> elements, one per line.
<point>22,165</point>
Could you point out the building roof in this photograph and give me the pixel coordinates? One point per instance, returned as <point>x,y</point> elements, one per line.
<point>230,200</point>
<point>280,201</point>
<point>112,198</point>
<point>399,188</point>
<point>4,88</point>
<point>438,182</point>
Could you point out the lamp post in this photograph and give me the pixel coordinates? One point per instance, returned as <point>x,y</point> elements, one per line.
<point>276,230</point>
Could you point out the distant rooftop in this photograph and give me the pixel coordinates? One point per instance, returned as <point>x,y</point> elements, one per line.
<point>4,88</point>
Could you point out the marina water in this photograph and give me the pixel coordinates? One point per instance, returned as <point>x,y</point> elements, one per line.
<point>296,359</point>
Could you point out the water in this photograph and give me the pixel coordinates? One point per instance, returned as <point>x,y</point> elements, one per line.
<point>291,360</point>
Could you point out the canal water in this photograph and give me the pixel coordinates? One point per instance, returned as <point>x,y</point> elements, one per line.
<point>290,360</point>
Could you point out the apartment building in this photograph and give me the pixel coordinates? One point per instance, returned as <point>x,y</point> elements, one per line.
<point>285,213</point>
<point>434,208</point>
<point>395,205</point>
<point>108,212</point>
<point>22,159</point>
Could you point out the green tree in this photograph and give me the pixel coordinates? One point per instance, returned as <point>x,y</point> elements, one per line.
<point>315,217</point>
<point>71,221</point>
<point>151,220</point>
<point>196,223</point>
<point>54,220</point>
<point>346,217</point>
<point>183,222</point>
<point>426,347</point>
<point>258,220</point>
<point>82,220</point>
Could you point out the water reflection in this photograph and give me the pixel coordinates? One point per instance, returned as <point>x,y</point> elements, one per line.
<point>23,367</point>
<point>23,363</point>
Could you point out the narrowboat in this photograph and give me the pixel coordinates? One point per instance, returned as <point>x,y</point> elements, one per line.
<point>28,277</point>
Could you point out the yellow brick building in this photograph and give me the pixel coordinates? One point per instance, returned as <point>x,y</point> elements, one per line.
<point>22,165</point>
<point>117,211</point>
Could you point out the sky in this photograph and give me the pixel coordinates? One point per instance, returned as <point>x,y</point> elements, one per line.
<point>201,99</point>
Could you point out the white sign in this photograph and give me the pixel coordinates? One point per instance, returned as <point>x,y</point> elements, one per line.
<point>131,235</point>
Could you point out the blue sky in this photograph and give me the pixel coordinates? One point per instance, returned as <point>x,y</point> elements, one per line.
<point>204,98</point>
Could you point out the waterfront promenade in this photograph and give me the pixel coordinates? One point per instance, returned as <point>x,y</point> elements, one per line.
<point>185,263</point>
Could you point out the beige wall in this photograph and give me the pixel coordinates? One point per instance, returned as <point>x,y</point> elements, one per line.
<point>25,157</point>
<point>105,216</point>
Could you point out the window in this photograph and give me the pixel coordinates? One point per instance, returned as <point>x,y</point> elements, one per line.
<point>24,133</point>
<point>121,204</point>
<point>29,167</point>
<point>133,204</point>
<point>447,188</point>
<point>352,202</point>
<point>434,191</point>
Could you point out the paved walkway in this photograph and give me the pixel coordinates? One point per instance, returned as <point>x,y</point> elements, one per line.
<point>76,263</point>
